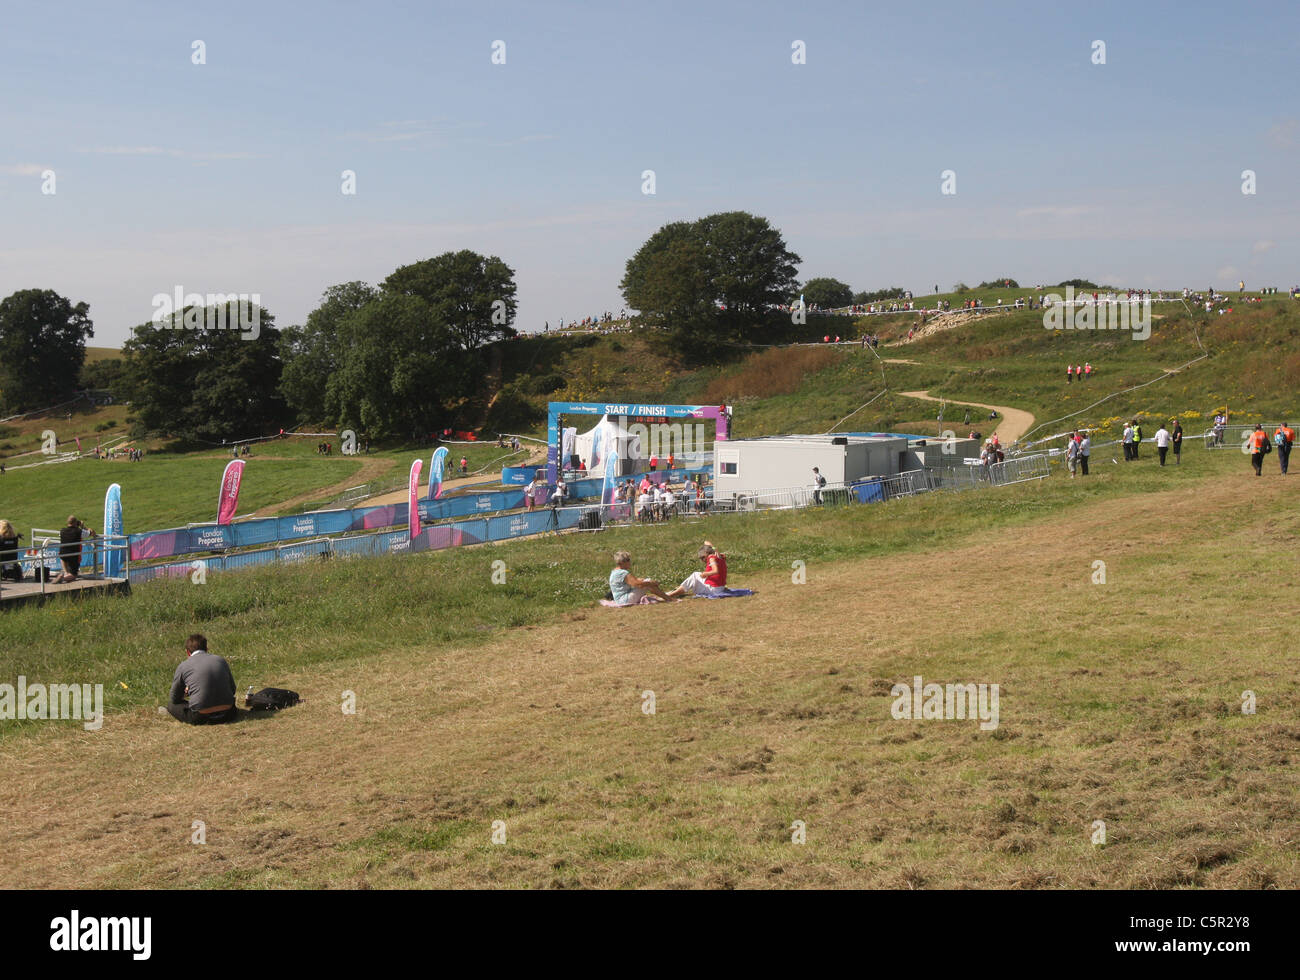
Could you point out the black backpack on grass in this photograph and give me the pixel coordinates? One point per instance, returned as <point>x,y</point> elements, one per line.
<point>271,699</point>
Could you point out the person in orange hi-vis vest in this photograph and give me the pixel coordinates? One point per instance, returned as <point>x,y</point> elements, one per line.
<point>1257,441</point>
<point>1284,439</point>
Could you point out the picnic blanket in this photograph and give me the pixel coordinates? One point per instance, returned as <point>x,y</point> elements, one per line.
<point>648,600</point>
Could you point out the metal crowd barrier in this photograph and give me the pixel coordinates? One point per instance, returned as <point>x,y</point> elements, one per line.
<point>44,560</point>
<point>1234,436</point>
<point>1019,469</point>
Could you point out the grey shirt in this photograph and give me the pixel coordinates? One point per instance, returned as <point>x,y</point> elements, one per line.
<point>208,678</point>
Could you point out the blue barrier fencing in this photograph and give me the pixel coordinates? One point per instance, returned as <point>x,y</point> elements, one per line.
<point>200,538</point>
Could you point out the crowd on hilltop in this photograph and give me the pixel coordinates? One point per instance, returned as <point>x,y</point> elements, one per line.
<point>1036,298</point>
<point>605,322</point>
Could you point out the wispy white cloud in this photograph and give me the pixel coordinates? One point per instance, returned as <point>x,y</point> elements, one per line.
<point>22,170</point>
<point>1259,248</point>
<point>159,151</point>
<point>534,138</point>
<point>1056,211</point>
<point>405,130</point>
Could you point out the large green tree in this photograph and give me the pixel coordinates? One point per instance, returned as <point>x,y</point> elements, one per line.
<point>311,352</point>
<point>205,385</point>
<point>42,348</point>
<point>826,293</point>
<point>472,295</point>
<point>399,369</point>
<point>712,281</point>
<point>401,360</point>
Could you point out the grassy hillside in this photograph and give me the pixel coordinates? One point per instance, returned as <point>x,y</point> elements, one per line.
<point>1252,369</point>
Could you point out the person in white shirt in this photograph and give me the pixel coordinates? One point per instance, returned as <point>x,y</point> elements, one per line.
<point>561,492</point>
<point>643,504</point>
<point>1128,441</point>
<point>1085,450</point>
<point>529,490</point>
<point>1162,442</point>
<point>667,502</point>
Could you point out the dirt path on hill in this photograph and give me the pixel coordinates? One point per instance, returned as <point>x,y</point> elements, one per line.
<point>536,457</point>
<point>370,469</point>
<point>1013,424</point>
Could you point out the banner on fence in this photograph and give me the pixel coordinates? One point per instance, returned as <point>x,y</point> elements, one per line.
<point>153,545</point>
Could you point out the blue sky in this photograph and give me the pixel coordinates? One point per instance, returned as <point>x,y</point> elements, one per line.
<point>225,177</point>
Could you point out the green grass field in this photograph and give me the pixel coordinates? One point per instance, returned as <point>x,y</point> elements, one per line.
<point>170,489</point>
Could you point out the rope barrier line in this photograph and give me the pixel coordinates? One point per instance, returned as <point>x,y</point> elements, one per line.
<point>884,381</point>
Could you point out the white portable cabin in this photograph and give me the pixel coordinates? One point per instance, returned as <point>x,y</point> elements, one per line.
<point>748,466</point>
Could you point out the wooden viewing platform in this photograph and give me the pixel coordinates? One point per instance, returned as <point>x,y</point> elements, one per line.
<point>19,593</point>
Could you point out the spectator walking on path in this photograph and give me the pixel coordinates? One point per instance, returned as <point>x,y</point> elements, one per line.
<point>1162,443</point>
<point>819,481</point>
<point>1284,438</point>
<point>1257,441</point>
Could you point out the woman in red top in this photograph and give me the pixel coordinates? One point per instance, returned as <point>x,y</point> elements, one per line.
<point>710,582</point>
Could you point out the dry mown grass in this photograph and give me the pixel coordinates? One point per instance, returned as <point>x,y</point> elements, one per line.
<point>1119,702</point>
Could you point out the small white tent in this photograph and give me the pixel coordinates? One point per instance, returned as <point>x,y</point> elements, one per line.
<point>607,437</point>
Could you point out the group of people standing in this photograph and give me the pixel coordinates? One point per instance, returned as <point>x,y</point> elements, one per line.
<point>1080,371</point>
<point>1078,450</point>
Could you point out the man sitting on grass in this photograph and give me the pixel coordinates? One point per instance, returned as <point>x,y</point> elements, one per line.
<point>203,689</point>
<point>628,590</point>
